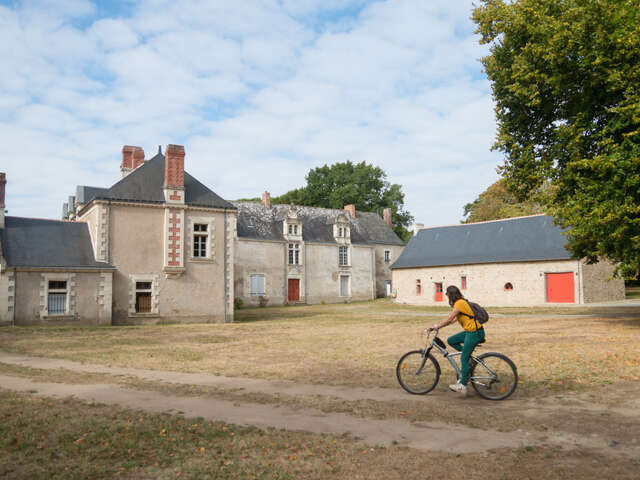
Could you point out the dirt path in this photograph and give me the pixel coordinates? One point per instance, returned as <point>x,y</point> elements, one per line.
<point>420,435</point>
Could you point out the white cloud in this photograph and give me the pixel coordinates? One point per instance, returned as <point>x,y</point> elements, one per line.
<point>258,92</point>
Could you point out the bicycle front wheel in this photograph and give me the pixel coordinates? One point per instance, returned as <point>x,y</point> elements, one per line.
<point>416,373</point>
<point>493,376</point>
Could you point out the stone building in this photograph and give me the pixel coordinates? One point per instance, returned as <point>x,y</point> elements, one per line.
<point>48,273</point>
<point>511,262</point>
<point>295,254</point>
<point>159,246</point>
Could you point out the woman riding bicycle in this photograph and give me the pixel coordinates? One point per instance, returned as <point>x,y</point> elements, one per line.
<point>465,341</point>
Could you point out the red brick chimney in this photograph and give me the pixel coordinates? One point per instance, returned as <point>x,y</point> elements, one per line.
<point>386,215</point>
<point>138,157</point>
<point>266,199</point>
<point>351,209</point>
<point>127,157</point>
<point>174,166</point>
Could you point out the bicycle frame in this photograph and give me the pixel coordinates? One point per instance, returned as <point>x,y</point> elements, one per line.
<point>450,356</point>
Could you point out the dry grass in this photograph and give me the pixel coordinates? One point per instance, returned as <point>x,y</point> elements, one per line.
<point>68,439</point>
<point>357,344</point>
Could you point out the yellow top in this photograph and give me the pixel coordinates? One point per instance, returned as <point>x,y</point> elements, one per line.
<point>469,324</point>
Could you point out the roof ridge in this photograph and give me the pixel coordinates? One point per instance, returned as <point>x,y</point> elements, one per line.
<point>485,221</point>
<point>46,219</point>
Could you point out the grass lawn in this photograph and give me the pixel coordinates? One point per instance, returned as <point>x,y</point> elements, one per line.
<point>559,358</point>
<point>357,344</point>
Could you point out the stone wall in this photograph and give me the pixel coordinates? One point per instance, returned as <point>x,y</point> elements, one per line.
<point>598,284</point>
<point>485,282</point>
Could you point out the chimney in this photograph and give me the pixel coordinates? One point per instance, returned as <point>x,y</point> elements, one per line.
<point>3,182</point>
<point>266,199</point>
<point>71,207</point>
<point>417,227</point>
<point>65,211</point>
<point>138,157</point>
<point>351,209</point>
<point>174,166</point>
<point>127,160</point>
<point>386,215</point>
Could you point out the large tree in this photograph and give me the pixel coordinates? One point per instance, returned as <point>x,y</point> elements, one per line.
<point>497,202</point>
<point>565,76</point>
<point>346,183</point>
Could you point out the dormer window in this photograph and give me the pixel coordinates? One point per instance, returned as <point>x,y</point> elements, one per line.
<point>293,229</point>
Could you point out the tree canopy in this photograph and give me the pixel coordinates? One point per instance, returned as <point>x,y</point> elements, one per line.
<point>497,202</point>
<point>565,76</point>
<point>360,184</point>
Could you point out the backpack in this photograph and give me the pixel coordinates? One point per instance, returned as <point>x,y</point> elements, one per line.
<point>480,315</point>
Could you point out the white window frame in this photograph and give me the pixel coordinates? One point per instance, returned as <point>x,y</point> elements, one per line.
<point>191,223</point>
<point>199,234</point>
<point>293,256</point>
<point>251,277</point>
<point>58,291</point>
<point>69,309</point>
<point>387,256</point>
<point>346,256</point>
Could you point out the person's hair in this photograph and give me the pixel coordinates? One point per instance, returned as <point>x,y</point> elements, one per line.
<point>453,294</point>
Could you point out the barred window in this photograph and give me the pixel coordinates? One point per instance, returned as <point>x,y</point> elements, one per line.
<point>387,256</point>
<point>200,237</point>
<point>143,297</point>
<point>343,256</point>
<point>57,297</point>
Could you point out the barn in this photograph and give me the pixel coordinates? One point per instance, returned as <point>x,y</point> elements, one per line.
<point>511,262</point>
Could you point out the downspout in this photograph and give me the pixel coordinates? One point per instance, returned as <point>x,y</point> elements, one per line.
<point>305,275</point>
<point>224,272</point>
<point>109,230</point>
<point>373,273</point>
<point>15,296</point>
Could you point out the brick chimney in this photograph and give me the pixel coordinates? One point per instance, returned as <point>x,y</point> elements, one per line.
<point>351,209</point>
<point>266,199</point>
<point>3,183</point>
<point>127,160</point>
<point>138,157</point>
<point>174,166</point>
<point>386,215</point>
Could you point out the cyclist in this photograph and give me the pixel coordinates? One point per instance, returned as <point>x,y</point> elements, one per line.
<point>464,341</point>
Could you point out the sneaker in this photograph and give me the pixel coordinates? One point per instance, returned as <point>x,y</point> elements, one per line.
<point>458,387</point>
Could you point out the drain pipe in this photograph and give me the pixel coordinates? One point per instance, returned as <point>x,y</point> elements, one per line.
<point>224,272</point>
<point>15,296</point>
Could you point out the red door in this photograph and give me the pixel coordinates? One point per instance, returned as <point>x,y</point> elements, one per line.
<point>438,292</point>
<point>294,289</point>
<point>560,288</point>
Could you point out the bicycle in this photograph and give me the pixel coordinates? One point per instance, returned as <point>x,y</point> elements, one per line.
<point>492,375</point>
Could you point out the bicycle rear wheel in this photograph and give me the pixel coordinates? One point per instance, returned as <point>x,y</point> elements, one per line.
<point>416,373</point>
<point>494,376</point>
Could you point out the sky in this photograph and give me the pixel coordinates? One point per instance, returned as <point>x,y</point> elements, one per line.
<point>259,92</point>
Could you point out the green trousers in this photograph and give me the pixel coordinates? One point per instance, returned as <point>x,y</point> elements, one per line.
<point>465,342</point>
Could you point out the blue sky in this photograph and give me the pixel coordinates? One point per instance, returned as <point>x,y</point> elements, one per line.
<point>258,92</point>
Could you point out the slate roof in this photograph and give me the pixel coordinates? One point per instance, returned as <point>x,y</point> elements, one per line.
<point>145,184</point>
<point>257,222</point>
<point>33,242</point>
<point>522,239</point>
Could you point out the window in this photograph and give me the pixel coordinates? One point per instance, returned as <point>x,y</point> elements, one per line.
<point>418,287</point>
<point>293,229</point>
<point>143,297</point>
<point>200,237</point>
<point>257,285</point>
<point>57,297</point>
<point>343,256</point>
<point>294,254</point>
<point>508,286</point>
<point>344,285</point>
<point>387,256</point>
<point>463,282</point>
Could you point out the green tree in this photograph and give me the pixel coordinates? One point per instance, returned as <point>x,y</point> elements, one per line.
<point>362,185</point>
<point>497,202</point>
<point>565,76</point>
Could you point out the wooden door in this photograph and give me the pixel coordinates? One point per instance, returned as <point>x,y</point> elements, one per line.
<point>560,287</point>
<point>294,289</point>
<point>438,292</point>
